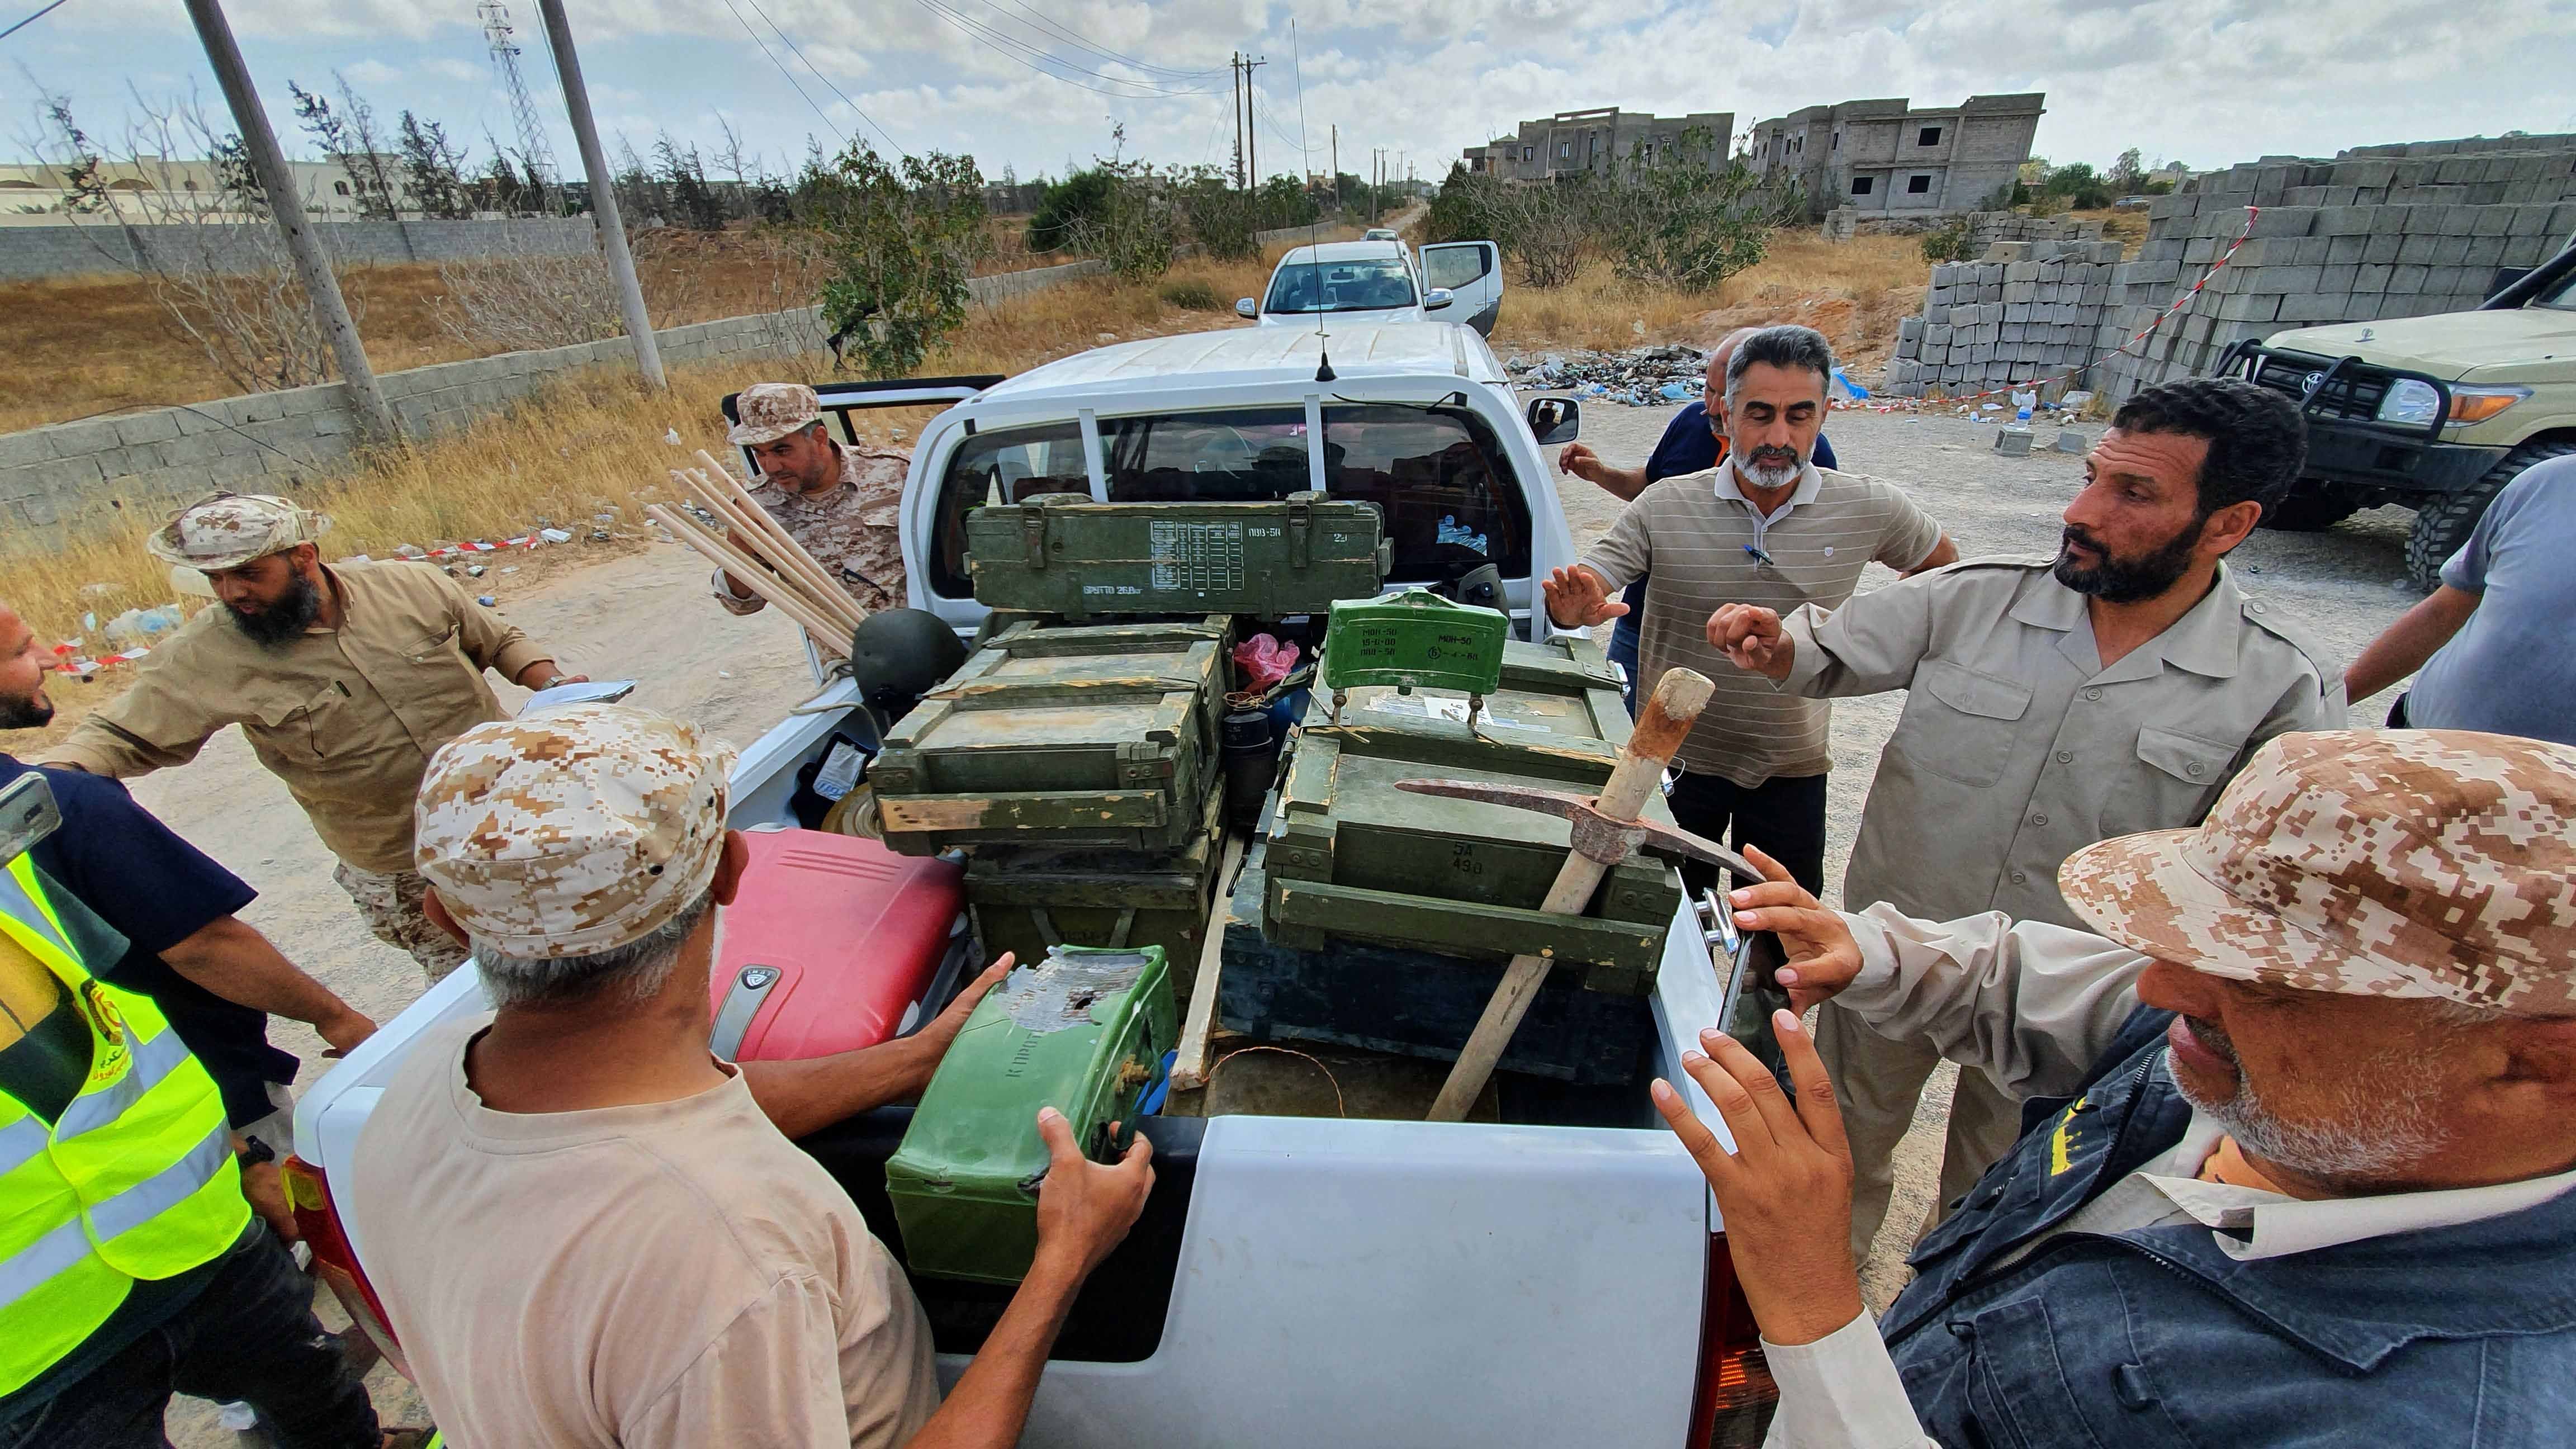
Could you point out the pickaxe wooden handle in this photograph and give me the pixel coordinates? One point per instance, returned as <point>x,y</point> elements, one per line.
<point>1675,705</point>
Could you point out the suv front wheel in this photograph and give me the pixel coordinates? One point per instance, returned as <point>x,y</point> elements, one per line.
<point>2443,525</point>
<point>2312,504</point>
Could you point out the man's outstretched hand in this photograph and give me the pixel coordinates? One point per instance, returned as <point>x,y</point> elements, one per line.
<point>1822,956</point>
<point>1578,598</point>
<point>1786,1189</point>
<point>1752,640</point>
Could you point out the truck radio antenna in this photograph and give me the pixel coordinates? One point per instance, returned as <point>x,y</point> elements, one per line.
<point>1306,169</point>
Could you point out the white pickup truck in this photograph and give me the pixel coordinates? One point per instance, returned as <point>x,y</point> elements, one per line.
<point>1375,280</point>
<point>1554,1277</point>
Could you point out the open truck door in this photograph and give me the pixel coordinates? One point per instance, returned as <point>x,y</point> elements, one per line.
<point>1472,274</point>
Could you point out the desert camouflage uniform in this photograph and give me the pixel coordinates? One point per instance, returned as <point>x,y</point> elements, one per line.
<point>390,905</point>
<point>574,831</point>
<point>851,529</point>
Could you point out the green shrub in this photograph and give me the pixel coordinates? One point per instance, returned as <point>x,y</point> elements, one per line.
<point>1192,296</point>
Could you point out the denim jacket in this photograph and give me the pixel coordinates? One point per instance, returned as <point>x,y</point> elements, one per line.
<point>2462,1335</point>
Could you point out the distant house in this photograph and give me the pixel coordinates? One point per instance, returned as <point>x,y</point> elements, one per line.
<point>1598,141</point>
<point>1884,156</point>
<point>152,189</point>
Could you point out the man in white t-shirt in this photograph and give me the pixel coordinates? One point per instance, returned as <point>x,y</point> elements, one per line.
<point>587,1230</point>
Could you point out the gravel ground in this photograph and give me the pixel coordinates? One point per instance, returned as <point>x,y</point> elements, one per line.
<point>645,616</point>
<point>2342,586</point>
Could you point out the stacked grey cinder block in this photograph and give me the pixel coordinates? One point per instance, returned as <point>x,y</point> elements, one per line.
<point>2390,232</point>
<point>31,252</point>
<point>50,476</point>
<point>2030,308</point>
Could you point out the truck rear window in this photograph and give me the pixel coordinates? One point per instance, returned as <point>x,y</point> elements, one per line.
<point>1358,286</point>
<point>1439,477</point>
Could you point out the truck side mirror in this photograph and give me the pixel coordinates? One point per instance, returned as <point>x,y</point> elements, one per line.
<point>1437,298</point>
<point>1246,307</point>
<point>1555,419</point>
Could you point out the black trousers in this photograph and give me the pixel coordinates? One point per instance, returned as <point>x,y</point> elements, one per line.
<point>250,1335</point>
<point>1785,817</point>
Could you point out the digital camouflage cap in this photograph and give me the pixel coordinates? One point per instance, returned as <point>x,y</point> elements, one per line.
<point>767,411</point>
<point>572,831</point>
<point>226,530</point>
<point>2419,863</point>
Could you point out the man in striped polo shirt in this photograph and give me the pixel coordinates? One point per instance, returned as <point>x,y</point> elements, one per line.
<point>1765,524</point>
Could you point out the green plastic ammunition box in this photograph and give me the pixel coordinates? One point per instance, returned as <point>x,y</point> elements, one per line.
<point>1061,553</point>
<point>1414,639</point>
<point>1101,736</point>
<point>1082,1031</point>
<point>1352,857</point>
<point>1027,899</point>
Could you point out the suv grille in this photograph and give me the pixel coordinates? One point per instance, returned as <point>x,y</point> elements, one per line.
<point>2354,393</point>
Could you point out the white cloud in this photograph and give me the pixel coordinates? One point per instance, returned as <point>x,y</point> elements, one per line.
<point>371,73</point>
<point>456,70</point>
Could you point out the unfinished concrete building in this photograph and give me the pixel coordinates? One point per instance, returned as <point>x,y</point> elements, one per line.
<point>1883,157</point>
<point>1599,141</point>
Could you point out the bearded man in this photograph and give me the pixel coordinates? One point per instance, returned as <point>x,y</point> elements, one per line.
<point>2051,703</point>
<point>345,679</point>
<point>1766,526</point>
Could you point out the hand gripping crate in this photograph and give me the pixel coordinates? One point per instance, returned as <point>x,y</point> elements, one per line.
<point>1056,736</point>
<point>1352,857</point>
<point>1061,553</point>
<point>1081,1031</point>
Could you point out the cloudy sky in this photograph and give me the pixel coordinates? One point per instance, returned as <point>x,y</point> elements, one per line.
<point>1033,83</point>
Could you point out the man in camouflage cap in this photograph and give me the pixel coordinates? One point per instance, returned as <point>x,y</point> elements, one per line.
<point>584,1228</point>
<point>839,503</point>
<point>2305,1126</point>
<point>344,678</point>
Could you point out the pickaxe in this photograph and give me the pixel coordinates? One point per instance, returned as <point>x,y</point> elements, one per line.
<point>1605,828</point>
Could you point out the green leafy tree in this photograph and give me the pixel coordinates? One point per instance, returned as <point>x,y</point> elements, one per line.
<point>2127,174</point>
<point>1222,218</point>
<point>433,170</point>
<point>897,243</point>
<point>349,137</point>
<point>1681,219</point>
<point>1464,208</point>
<point>1082,197</point>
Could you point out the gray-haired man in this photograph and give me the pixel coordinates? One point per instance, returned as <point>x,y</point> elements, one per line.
<point>1766,526</point>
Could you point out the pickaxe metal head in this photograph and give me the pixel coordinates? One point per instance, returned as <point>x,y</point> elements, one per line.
<point>1595,836</point>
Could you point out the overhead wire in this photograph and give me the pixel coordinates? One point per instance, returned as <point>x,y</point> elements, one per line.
<point>32,19</point>
<point>788,75</point>
<point>792,47</point>
<point>1029,55</point>
<point>1105,52</point>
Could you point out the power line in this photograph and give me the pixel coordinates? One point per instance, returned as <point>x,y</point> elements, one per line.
<point>1022,52</point>
<point>32,19</point>
<point>1106,53</point>
<point>784,73</point>
<point>790,42</point>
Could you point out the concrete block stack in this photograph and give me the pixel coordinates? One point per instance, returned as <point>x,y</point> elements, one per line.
<point>1988,228</point>
<point>2381,233</point>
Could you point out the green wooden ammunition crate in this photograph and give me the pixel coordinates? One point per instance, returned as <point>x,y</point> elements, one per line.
<point>1025,899</point>
<point>1101,736</point>
<point>1081,1031</point>
<point>1061,553</point>
<point>1351,856</point>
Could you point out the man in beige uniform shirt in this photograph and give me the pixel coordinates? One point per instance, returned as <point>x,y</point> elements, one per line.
<point>345,679</point>
<point>838,503</point>
<point>2051,703</point>
<point>1766,525</point>
<point>589,1231</point>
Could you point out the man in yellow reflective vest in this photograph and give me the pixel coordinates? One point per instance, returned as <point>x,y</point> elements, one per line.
<point>130,1264</point>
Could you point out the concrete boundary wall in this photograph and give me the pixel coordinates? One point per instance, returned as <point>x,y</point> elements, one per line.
<point>2391,232</point>
<point>51,477</point>
<point>28,253</point>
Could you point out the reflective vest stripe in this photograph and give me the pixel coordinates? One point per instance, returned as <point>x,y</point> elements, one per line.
<point>153,1061</point>
<point>36,915</point>
<point>28,1269</point>
<point>20,1142</point>
<point>165,1189</point>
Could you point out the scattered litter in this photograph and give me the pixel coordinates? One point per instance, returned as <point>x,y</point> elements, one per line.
<point>671,436</point>
<point>724,674</point>
<point>144,626</point>
<point>410,551</point>
<point>1639,377</point>
<point>554,535</point>
<point>476,571</point>
<point>486,600</point>
<point>512,569</point>
<point>2074,402</point>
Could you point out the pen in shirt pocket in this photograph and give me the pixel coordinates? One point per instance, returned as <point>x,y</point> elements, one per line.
<point>1769,568</point>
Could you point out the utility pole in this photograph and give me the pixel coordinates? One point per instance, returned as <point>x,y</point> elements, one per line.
<point>1234,70</point>
<point>286,205</point>
<point>1251,125</point>
<point>603,195</point>
<point>1337,159</point>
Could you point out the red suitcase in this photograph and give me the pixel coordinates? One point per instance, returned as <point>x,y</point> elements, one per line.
<point>833,943</point>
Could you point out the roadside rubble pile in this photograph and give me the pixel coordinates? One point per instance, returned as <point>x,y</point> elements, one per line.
<point>1639,377</point>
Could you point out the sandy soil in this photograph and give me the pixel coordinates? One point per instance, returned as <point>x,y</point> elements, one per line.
<point>645,615</point>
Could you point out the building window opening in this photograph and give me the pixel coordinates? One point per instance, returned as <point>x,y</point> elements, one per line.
<point>340,188</point>
<point>1928,136</point>
<point>1861,185</point>
<point>1918,185</point>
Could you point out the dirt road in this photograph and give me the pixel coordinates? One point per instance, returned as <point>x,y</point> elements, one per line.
<point>647,616</point>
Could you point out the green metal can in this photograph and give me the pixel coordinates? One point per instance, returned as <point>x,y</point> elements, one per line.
<point>1083,1031</point>
<point>1061,553</point>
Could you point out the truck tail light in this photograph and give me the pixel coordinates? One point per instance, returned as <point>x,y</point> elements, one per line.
<point>333,1261</point>
<point>1733,1403</point>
